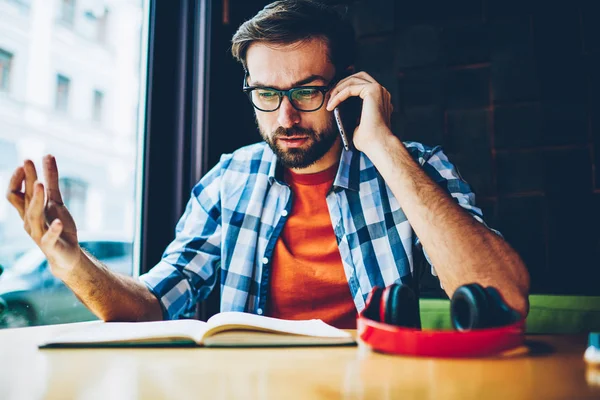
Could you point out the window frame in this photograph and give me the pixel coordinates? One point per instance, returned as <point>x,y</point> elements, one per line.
<point>176,119</point>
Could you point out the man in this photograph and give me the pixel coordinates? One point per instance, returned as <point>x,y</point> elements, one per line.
<point>295,227</point>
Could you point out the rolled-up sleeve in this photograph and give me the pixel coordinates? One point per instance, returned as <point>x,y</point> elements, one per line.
<point>187,271</point>
<point>437,166</point>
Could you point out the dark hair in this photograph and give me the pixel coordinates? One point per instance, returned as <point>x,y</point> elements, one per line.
<point>290,21</point>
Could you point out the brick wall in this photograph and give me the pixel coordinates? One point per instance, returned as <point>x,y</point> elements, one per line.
<point>511,89</point>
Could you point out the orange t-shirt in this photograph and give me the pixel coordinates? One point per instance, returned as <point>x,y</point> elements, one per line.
<point>307,276</point>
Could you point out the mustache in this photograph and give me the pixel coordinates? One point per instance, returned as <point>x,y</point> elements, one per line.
<point>294,131</point>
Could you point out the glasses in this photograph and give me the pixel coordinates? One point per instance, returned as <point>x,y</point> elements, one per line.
<point>302,98</point>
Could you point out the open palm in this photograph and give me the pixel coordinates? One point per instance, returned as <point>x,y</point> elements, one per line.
<point>45,217</point>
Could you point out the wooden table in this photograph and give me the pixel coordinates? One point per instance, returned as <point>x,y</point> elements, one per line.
<point>554,369</point>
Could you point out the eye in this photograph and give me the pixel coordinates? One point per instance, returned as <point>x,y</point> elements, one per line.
<point>305,94</point>
<point>266,94</point>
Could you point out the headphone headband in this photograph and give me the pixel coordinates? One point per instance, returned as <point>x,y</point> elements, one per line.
<point>393,339</point>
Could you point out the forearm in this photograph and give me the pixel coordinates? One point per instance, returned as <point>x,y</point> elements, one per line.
<point>461,249</point>
<point>111,296</point>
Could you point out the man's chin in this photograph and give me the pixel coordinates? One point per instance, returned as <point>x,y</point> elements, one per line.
<point>295,158</point>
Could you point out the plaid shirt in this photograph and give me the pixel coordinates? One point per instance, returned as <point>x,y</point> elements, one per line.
<point>237,212</point>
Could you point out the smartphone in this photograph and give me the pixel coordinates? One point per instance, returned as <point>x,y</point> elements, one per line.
<point>347,117</point>
<point>341,129</point>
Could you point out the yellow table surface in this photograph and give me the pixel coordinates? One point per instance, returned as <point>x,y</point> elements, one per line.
<point>554,368</point>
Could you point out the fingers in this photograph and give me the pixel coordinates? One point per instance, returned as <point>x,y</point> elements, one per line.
<point>359,84</point>
<point>344,93</point>
<point>30,178</point>
<point>35,213</point>
<point>344,83</point>
<point>14,193</point>
<point>51,176</point>
<point>50,238</point>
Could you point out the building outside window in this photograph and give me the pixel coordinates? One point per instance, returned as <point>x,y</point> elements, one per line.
<point>22,4</point>
<point>101,26</point>
<point>66,12</point>
<point>5,65</point>
<point>74,193</point>
<point>94,23</point>
<point>64,70</point>
<point>62,93</point>
<point>98,106</point>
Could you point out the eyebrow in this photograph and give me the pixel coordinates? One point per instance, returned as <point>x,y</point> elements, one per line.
<point>301,82</point>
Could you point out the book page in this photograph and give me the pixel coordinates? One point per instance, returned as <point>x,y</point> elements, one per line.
<point>256,338</point>
<point>240,320</point>
<point>134,332</point>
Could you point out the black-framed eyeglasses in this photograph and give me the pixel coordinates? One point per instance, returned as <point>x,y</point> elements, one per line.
<point>302,98</point>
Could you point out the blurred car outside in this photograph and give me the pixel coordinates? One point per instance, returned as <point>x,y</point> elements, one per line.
<point>11,251</point>
<point>33,296</point>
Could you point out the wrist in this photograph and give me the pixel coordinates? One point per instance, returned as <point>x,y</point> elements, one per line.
<point>74,270</point>
<point>382,145</point>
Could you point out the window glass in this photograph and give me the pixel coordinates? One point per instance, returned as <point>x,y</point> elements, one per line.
<point>66,12</point>
<point>5,65</point>
<point>22,4</point>
<point>97,105</point>
<point>62,92</point>
<point>65,66</point>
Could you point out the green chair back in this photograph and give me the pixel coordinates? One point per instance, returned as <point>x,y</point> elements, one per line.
<point>548,314</point>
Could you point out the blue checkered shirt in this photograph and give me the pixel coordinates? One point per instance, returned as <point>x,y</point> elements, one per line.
<point>237,212</point>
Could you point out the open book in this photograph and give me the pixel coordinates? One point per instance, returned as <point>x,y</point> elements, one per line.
<point>227,329</point>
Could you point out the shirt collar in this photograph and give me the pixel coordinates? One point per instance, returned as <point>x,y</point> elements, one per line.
<point>347,177</point>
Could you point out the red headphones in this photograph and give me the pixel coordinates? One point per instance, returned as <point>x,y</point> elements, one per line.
<point>485,325</point>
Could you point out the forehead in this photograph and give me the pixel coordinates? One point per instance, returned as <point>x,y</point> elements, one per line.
<point>281,64</point>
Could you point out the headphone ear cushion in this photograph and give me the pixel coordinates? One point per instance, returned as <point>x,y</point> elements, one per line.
<point>385,307</point>
<point>373,304</point>
<point>500,313</point>
<point>469,307</point>
<point>402,308</point>
<point>391,304</point>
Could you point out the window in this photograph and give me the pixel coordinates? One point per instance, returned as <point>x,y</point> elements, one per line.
<point>98,163</point>
<point>101,26</point>
<point>5,65</point>
<point>74,193</point>
<point>98,105</point>
<point>23,5</point>
<point>62,93</point>
<point>66,12</point>
<point>93,25</point>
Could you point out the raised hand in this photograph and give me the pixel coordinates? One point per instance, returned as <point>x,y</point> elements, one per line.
<point>47,221</point>
<point>375,119</point>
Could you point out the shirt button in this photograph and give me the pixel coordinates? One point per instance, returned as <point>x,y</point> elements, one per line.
<point>259,311</point>
<point>265,260</point>
<point>284,213</point>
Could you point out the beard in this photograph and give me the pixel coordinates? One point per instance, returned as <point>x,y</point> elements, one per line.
<point>319,143</point>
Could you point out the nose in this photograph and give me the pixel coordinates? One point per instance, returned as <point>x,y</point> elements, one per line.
<point>287,115</point>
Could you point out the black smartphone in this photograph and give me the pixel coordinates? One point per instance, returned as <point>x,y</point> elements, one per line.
<point>347,118</point>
